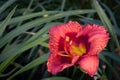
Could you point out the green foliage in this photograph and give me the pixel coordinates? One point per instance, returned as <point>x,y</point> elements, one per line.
<point>56,78</point>
<point>24,37</point>
<point>31,65</point>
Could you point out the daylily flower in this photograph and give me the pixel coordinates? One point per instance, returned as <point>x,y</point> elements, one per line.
<point>72,44</point>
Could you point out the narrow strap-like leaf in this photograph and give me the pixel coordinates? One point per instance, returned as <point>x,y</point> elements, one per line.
<point>6,21</point>
<point>31,65</point>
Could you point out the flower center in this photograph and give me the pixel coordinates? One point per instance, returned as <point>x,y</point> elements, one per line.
<point>73,48</point>
<point>80,50</point>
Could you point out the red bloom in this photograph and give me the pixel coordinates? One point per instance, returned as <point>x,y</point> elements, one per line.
<point>72,44</point>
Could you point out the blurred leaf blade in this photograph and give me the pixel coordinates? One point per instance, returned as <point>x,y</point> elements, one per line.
<point>25,47</point>
<point>37,22</point>
<point>112,68</point>
<point>113,56</point>
<point>31,65</point>
<point>106,22</point>
<point>112,17</point>
<point>6,5</point>
<point>57,78</point>
<point>43,30</point>
<point>32,15</point>
<point>6,21</point>
<point>7,62</point>
<point>21,48</point>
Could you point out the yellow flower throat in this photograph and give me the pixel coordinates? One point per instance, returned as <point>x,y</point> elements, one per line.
<point>78,49</point>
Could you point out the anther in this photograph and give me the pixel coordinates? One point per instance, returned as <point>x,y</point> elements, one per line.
<point>67,39</point>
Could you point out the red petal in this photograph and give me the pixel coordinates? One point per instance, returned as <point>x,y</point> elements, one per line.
<point>57,63</point>
<point>97,38</point>
<point>89,64</point>
<point>57,35</point>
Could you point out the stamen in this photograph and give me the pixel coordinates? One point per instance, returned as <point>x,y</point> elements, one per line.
<point>62,53</point>
<point>70,42</point>
<point>67,39</point>
<point>66,44</point>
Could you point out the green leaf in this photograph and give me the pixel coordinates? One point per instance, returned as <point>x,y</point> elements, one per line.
<point>44,44</point>
<point>8,60</point>
<point>106,22</point>
<point>63,5</point>
<point>21,48</point>
<point>6,5</point>
<point>32,15</point>
<point>9,52</point>
<point>15,50</point>
<point>113,56</point>
<point>38,22</point>
<point>42,31</point>
<point>6,63</point>
<point>6,21</point>
<point>31,65</point>
<point>112,69</point>
<point>57,78</point>
<point>34,43</point>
